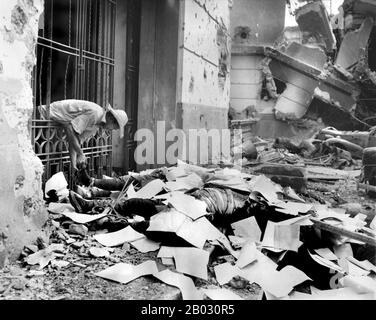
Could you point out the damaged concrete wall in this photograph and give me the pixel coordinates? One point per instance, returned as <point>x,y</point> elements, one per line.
<point>257,21</point>
<point>204,64</point>
<point>22,212</point>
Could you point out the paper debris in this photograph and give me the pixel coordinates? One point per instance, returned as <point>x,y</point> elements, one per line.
<point>221,294</point>
<point>117,238</point>
<point>281,237</point>
<point>325,262</point>
<point>167,221</point>
<point>192,261</point>
<point>124,272</point>
<point>326,253</point>
<point>188,205</point>
<point>266,187</point>
<point>83,218</point>
<point>149,190</point>
<point>247,228</point>
<point>248,254</point>
<point>225,272</point>
<point>185,284</point>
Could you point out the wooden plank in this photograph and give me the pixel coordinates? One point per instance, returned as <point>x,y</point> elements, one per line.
<point>344,232</point>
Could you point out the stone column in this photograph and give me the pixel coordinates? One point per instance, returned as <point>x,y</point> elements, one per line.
<point>22,211</point>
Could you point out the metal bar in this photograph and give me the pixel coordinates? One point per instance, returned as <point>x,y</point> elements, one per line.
<point>55,42</point>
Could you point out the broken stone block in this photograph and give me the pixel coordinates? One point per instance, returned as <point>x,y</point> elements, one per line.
<point>313,56</point>
<point>285,175</point>
<point>313,19</point>
<point>292,103</point>
<point>78,229</point>
<point>354,45</point>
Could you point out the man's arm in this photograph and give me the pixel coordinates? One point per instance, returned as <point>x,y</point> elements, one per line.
<point>75,151</point>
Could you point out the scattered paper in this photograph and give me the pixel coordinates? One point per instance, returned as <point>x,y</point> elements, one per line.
<point>184,283</point>
<point>281,237</point>
<point>293,208</point>
<point>343,250</point>
<point>166,252</point>
<point>188,205</point>
<point>168,261</point>
<point>131,192</point>
<point>117,238</point>
<point>124,272</point>
<point>259,269</point>
<point>221,294</point>
<point>83,218</point>
<point>326,263</point>
<point>58,208</point>
<point>248,254</point>
<point>58,183</point>
<point>192,261</point>
<point>193,233</point>
<point>247,228</point>
<point>340,294</point>
<point>360,284</point>
<point>146,245</point>
<point>149,190</point>
<point>281,283</point>
<point>238,242</point>
<point>167,221</point>
<point>225,272</point>
<point>326,253</point>
<point>266,187</point>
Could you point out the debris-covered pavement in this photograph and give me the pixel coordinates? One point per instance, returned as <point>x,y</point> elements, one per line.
<point>213,232</point>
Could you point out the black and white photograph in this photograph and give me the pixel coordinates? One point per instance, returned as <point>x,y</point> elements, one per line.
<point>220,153</point>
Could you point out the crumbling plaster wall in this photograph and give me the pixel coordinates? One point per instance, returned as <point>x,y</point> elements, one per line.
<point>22,212</point>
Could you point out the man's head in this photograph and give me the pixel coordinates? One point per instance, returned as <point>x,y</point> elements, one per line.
<point>116,119</point>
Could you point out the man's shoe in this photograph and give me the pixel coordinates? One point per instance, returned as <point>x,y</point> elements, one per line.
<point>80,204</point>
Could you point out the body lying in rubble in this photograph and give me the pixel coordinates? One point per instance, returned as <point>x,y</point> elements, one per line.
<point>225,205</point>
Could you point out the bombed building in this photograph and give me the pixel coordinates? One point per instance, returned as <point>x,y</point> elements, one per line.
<point>188,149</point>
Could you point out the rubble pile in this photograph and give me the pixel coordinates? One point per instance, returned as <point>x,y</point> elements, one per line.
<point>213,231</point>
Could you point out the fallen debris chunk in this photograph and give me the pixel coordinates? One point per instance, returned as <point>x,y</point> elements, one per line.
<point>78,229</point>
<point>124,272</point>
<point>99,252</point>
<point>146,245</point>
<point>45,256</point>
<point>117,238</point>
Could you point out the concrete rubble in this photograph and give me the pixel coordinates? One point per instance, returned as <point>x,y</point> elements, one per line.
<point>330,73</point>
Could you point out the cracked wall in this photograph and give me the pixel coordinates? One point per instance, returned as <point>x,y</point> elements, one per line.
<point>204,64</point>
<point>22,212</point>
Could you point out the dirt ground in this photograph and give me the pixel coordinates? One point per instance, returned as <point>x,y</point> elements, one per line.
<point>77,281</point>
